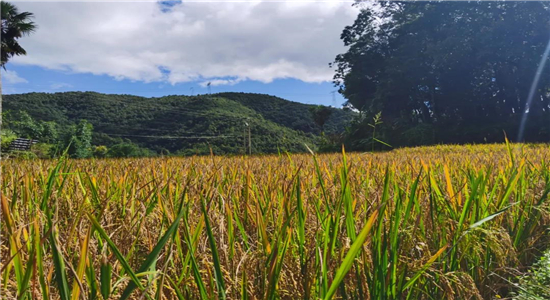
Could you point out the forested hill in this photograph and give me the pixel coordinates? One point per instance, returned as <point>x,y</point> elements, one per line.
<point>178,124</point>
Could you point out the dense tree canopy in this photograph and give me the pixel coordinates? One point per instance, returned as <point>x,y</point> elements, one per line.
<point>447,71</point>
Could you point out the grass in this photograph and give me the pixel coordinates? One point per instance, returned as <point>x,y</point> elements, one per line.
<point>536,284</point>
<point>443,222</point>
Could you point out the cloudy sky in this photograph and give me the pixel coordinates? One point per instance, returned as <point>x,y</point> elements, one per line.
<point>154,48</point>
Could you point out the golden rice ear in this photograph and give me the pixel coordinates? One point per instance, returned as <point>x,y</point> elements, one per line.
<point>452,222</point>
<point>309,149</point>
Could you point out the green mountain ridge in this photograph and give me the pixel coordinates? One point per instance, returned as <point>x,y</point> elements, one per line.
<point>183,124</point>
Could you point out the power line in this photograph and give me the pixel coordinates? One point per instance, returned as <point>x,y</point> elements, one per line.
<point>171,137</point>
<point>150,129</point>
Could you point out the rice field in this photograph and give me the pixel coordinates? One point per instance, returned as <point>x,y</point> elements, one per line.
<point>442,222</point>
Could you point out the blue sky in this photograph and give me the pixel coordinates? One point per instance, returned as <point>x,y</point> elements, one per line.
<point>38,79</point>
<point>149,49</point>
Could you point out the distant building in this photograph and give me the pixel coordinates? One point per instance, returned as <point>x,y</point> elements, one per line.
<point>21,144</point>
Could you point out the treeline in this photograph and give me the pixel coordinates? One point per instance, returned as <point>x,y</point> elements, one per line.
<point>53,141</point>
<point>93,124</point>
<point>446,72</point>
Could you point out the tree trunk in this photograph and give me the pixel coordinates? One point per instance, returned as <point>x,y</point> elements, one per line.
<point>1,244</point>
<point>0,121</point>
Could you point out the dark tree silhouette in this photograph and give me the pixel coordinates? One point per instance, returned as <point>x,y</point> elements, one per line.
<point>320,114</point>
<point>446,71</point>
<point>14,26</point>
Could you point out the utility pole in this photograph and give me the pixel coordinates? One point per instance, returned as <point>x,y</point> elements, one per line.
<point>244,139</point>
<point>333,98</point>
<point>249,142</point>
<point>249,139</point>
<point>209,88</point>
<point>192,91</point>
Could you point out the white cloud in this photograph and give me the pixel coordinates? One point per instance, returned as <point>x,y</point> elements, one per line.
<point>201,40</point>
<point>11,77</point>
<point>60,85</point>
<point>216,82</point>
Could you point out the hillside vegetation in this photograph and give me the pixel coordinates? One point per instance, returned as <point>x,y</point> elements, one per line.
<point>178,124</point>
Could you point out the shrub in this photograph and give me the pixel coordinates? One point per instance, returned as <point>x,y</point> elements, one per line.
<point>6,137</point>
<point>100,151</point>
<point>43,150</point>
<point>127,150</point>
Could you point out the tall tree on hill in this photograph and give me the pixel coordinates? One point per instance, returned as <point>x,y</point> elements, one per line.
<point>447,71</point>
<point>320,114</point>
<point>78,141</point>
<point>14,25</point>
